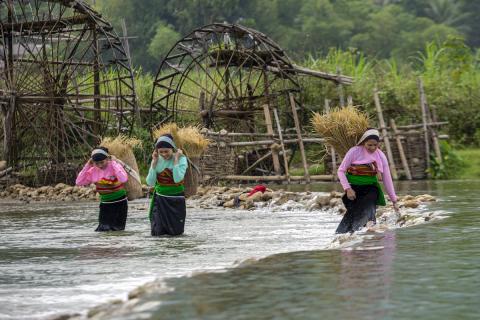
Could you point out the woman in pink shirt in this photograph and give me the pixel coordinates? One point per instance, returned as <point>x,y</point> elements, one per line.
<point>109,178</point>
<point>358,174</point>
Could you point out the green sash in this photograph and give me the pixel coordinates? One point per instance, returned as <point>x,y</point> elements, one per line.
<point>109,197</point>
<point>365,181</point>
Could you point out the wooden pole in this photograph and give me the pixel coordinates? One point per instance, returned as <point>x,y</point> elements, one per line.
<point>423,102</point>
<point>265,156</point>
<point>400,150</point>
<point>332,150</point>
<point>96,81</point>
<point>349,101</point>
<point>268,123</point>
<point>127,51</point>
<point>436,143</point>
<point>326,177</point>
<point>299,135</point>
<point>285,161</point>
<point>386,140</point>
<point>340,89</point>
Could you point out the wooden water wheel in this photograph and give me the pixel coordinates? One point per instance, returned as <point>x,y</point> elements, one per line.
<point>65,81</point>
<point>222,75</point>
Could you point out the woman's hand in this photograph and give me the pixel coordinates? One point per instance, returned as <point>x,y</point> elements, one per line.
<point>178,154</point>
<point>155,155</point>
<point>396,207</point>
<point>351,194</point>
<point>154,158</point>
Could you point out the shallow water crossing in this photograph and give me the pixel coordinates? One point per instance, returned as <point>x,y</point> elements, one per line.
<point>51,262</point>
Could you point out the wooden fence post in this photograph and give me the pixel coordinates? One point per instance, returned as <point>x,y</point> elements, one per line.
<point>299,136</point>
<point>400,150</point>
<point>386,140</point>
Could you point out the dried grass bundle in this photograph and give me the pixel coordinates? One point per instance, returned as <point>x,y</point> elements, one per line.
<point>341,128</point>
<point>122,148</point>
<point>170,128</point>
<point>189,139</point>
<point>121,145</point>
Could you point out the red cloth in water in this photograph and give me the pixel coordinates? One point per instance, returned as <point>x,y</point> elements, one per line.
<point>256,189</point>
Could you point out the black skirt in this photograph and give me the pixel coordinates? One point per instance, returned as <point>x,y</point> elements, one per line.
<point>113,215</point>
<point>168,215</point>
<point>359,211</point>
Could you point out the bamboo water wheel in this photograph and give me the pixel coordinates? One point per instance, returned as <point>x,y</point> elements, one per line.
<point>221,76</point>
<point>65,81</point>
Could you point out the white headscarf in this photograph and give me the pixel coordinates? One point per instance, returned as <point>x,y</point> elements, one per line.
<point>369,132</point>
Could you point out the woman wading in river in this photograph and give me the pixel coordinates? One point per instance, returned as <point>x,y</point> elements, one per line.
<point>109,178</point>
<point>358,174</point>
<point>167,170</point>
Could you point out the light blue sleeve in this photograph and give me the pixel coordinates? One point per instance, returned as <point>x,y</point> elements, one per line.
<point>179,169</point>
<point>152,176</point>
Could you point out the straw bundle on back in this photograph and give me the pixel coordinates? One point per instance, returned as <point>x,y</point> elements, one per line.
<point>341,128</point>
<point>193,144</point>
<point>122,148</point>
<point>189,139</point>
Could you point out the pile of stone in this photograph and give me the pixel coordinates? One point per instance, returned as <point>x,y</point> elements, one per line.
<point>59,192</point>
<point>210,197</point>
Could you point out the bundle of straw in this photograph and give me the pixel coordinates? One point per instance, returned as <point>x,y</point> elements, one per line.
<point>122,148</point>
<point>341,128</point>
<point>193,144</point>
<point>189,139</point>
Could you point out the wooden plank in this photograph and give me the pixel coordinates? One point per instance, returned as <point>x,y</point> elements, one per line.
<point>279,128</point>
<point>400,150</point>
<point>268,123</point>
<point>386,140</point>
<point>299,135</point>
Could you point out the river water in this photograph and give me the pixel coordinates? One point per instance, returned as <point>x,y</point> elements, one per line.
<point>51,262</point>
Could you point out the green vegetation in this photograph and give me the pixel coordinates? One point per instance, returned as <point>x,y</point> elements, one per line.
<point>471,158</point>
<point>379,28</point>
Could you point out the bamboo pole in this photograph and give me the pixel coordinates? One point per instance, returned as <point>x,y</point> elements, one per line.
<point>386,140</point>
<point>326,177</point>
<point>400,150</point>
<point>271,142</point>
<point>423,102</point>
<point>279,128</point>
<point>299,135</point>
<point>332,150</point>
<point>268,123</point>
<point>420,125</point>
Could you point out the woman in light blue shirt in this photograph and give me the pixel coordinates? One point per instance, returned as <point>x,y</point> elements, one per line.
<point>166,173</point>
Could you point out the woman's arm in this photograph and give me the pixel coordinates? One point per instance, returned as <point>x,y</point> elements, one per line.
<point>151,176</point>
<point>387,178</point>
<point>84,177</point>
<point>119,171</point>
<point>180,168</point>
<point>342,169</point>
